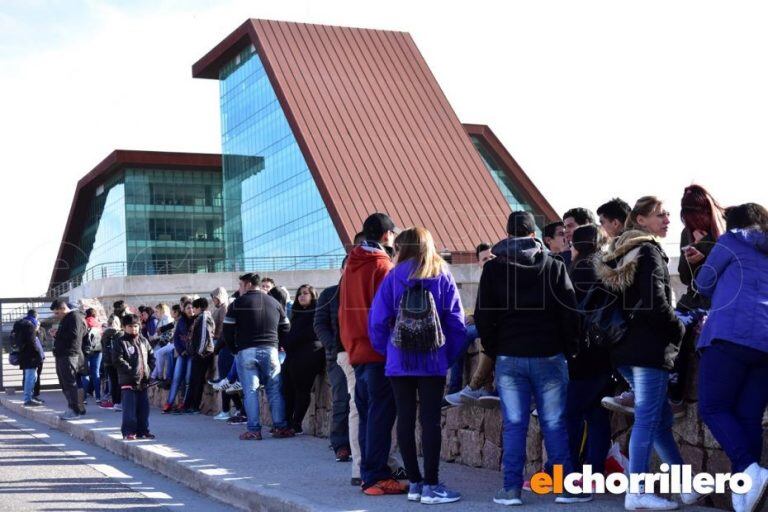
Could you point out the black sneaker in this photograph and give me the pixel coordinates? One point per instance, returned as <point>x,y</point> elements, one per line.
<point>400,474</point>
<point>567,498</point>
<point>32,403</point>
<point>357,482</point>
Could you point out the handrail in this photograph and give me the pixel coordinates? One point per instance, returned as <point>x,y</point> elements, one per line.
<point>196,266</point>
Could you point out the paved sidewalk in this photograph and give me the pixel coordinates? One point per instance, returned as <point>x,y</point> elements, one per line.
<point>295,474</point>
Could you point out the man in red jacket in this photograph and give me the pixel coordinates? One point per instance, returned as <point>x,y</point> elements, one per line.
<point>366,268</point>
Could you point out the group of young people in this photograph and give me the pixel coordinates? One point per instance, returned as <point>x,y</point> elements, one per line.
<point>394,328</point>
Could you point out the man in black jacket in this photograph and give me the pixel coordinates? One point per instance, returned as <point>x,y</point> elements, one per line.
<point>526,317</point>
<point>251,329</point>
<point>327,330</point>
<point>68,351</point>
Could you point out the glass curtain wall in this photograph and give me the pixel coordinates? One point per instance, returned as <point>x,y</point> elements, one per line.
<point>272,206</point>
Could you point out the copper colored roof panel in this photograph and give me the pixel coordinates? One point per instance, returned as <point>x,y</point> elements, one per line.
<point>375,128</point>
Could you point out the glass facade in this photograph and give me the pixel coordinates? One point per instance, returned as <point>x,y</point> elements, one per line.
<point>148,221</point>
<point>272,207</point>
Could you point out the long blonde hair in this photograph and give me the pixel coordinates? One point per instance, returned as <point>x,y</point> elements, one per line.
<point>417,244</point>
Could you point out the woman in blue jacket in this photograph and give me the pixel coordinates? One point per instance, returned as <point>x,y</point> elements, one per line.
<point>419,350</point>
<point>183,366</point>
<point>733,371</point>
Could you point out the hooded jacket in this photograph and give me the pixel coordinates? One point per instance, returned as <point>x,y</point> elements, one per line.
<point>24,338</point>
<point>367,266</point>
<point>134,360</point>
<point>736,278</point>
<point>182,333</point>
<point>526,305</point>
<point>384,313</point>
<point>635,268</point>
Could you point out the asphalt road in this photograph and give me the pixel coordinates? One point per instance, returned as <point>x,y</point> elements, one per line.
<point>44,470</point>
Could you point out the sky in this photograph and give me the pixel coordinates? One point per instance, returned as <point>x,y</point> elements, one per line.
<point>594,99</point>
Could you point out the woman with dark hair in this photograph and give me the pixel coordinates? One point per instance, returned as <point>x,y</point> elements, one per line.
<point>305,357</point>
<point>733,370</point>
<point>183,363</point>
<point>635,269</point>
<point>703,223</point>
<point>590,369</point>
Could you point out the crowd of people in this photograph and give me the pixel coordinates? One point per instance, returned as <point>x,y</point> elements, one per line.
<point>394,328</point>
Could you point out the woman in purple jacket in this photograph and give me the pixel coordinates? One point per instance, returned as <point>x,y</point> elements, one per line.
<point>733,371</point>
<point>417,364</point>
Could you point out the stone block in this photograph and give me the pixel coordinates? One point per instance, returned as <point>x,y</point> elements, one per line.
<point>492,426</point>
<point>471,417</point>
<point>453,418</point>
<point>693,455</point>
<point>491,456</point>
<point>471,445</point>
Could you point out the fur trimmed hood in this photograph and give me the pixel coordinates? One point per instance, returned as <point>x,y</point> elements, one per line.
<point>616,269</point>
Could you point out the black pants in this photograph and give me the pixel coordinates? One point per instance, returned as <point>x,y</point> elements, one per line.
<point>194,394</point>
<point>430,396</point>
<point>678,377</point>
<point>303,369</point>
<point>66,369</point>
<point>37,382</point>
<point>114,385</point>
<point>135,412</point>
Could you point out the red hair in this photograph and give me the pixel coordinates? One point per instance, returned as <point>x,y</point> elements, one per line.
<point>699,210</point>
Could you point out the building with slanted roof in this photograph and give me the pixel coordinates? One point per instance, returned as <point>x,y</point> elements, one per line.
<point>346,122</point>
<point>321,126</point>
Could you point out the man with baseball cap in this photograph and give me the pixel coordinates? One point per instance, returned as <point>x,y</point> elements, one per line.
<point>368,264</point>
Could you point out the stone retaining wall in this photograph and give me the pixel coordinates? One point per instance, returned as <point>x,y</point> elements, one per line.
<point>472,436</point>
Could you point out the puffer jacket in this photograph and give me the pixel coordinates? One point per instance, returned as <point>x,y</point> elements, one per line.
<point>134,359</point>
<point>635,268</point>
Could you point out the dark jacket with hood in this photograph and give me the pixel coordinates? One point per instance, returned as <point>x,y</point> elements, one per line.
<point>635,268</point>
<point>736,278</point>
<point>526,306</point>
<point>69,335</point>
<point>134,360</point>
<point>24,336</point>
<point>327,322</point>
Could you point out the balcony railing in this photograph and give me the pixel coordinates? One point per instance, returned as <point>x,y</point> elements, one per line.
<point>196,266</point>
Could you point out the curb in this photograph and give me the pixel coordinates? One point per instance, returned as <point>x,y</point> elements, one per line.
<point>237,494</point>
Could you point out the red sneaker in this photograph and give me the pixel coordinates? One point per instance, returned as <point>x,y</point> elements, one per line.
<point>130,437</point>
<point>282,433</point>
<point>384,487</point>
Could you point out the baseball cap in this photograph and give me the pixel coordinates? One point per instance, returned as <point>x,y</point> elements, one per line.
<point>377,224</point>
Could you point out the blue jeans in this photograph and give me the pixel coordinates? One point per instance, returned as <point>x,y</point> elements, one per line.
<point>91,383</point>
<point>261,365</point>
<point>457,370</point>
<point>181,370</point>
<point>653,418</point>
<point>30,377</point>
<point>135,412</point>
<point>376,408</point>
<point>546,378</point>
<point>733,393</point>
<point>583,407</point>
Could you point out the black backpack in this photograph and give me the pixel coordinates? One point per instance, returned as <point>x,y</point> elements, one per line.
<point>604,319</point>
<point>417,326</point>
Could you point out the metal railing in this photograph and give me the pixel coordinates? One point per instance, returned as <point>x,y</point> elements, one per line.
<point>196,266</point>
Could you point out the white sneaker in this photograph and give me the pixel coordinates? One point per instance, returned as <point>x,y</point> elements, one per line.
<point>234,388</point>
<point>221,385</point>
<point>117,407</point>
<point>689,498</point>
<point>223,416</point>
<point>755,497</point>
<point>471,396</point>
<point>455,398</point>
<point>648,502</point>
<point>69,415</point>
<point>737,501</point>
